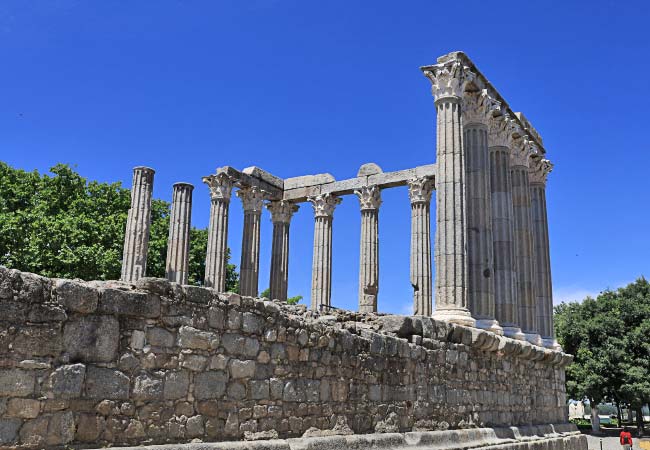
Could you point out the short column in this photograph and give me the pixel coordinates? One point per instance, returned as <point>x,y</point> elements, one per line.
<point>369,201</point>
<point>136,236</point>
<point>523,229</point>
<point>216,258</point>
<point>420,190</point>
<point>505,273</point>
<point>178,242</point>
<point>543,281</point>
<point>478,108</point>
<point>321,278</point>
<point>449,80</point>
<point>252,199</point>
<point>281,213</point>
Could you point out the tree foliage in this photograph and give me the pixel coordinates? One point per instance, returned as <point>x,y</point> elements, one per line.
<point>610,338</point>
<point>66,226</point>
<point>266,293</point>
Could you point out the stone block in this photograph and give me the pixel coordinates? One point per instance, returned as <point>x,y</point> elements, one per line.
<point>17,383</point>
<point>12,311</point>
<point>76,297</point>
<point>48,430</point>
<point>194,427</point>
<point>104,383</point>
<point>38,340</point>
<point>43,313</point>
<point>67,381</point>
<point>216,318</point>
<point>158,286</point>
<point>197,294</point>
<point>242,369</point>
<point>189,337</point>
<point>9,430</point>
<point>209,385</point>
<point>147,387</point>
<point>259,389</point>
<point>160,337</point>
<point>24,408</point>
<point>89,427</point>
<point>92,338</point>
<point>129,303</point>
<point>236,390</point>
<point>176,385</point>
<point>195,363</point>
<point>252,323</point>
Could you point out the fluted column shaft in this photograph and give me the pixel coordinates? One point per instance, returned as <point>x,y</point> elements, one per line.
<point>252,201</point>
<point>321,279</point>
<point>136,236</point>
<point>543,279</point>
<point>420,190</point>
<point>281,212</point>
<point>178,242</point>
<point>216,258</point>
<point>524,252</point>
<point>369,200</point>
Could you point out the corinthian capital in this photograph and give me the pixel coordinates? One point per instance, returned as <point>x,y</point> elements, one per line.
<point>522,151</point>
<point>539,170</point>
<point>420,189</point>
<point>220,186</point>
<point>500,130</point>
<point>478,107</point>
<point>324,204</point>
<point>281,211</point>
<point>369,197</point>
<point>252,198</point>
<point>448,79</point>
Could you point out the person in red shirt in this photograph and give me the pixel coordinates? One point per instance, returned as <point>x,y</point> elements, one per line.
<point>626,439</point>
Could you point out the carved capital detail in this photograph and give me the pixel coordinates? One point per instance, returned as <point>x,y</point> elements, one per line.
<point>478,107</point>
<point>539,170</point>
<point>369,197</point>
<point>500,129</point>
<point>220,186</point>
<point>324,204</point>
<point>252,198</point>
<point>448,79</point>
<point>281,210</point>
<point>420,189</point>
<point>522,151</point>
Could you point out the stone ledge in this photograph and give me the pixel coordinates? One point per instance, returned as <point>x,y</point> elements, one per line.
<point>556,437</point>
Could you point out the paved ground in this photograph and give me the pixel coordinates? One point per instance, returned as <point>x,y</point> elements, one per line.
<point>611,443</point>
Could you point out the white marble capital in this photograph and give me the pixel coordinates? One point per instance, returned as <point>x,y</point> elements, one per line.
<point>369,197</point>
<point>252,198</point>
<point>220,186</point>
<point>478,107</point>
<point>281,210</point>
<point>449,79</point>
<point>324,204</point>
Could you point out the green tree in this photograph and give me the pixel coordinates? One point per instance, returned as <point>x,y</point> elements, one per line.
<point>66,226</point>
<point>266,293</point>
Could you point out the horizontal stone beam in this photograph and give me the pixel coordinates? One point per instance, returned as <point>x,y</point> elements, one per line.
<point>254,176</point>
<point>299,192</point>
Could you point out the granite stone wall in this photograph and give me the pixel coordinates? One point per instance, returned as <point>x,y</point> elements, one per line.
<point>111,363</point>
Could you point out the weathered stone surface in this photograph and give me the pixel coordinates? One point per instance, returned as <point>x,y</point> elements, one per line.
<point>137,304</point>
<point>242,369</point>
<point>76,297</point>
<point>89,427</point>
<point>210,385</point>
<point>16,382</point>
<point>189,337</point>
<point>92,338</point>
<point>176,385</point>
<point>102,383</point>
<point>24,408</point>
<point>9,430</point>
<point>147,388</point>
<point>67,381</point>
<point>39,340</point>
<point>160,337</point>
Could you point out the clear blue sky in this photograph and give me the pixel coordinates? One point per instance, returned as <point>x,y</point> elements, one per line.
<point>301,87</point>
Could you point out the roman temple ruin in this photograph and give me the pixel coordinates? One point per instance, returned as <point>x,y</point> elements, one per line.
<point>144,361</point>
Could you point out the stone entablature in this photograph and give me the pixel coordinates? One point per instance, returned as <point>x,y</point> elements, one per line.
<point>116,363</point>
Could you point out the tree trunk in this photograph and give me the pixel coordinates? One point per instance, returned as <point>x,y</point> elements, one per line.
<point>595,420</point>
<point>639,421</point>
<point>618,414</point>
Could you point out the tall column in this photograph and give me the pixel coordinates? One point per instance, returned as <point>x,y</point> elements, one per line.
<point>505,271</point>
<point>321,276</point>
<point>281,213</point>
<point>543,281</point>
<point>420,190</point>
<point>136,236</point>
<point>523,229</point>
<point>216,258</point>
<point>178,242</point>
<point>449,80</point>
<point>252,199</point>
<point>369,201</point>
<point>478,107</point>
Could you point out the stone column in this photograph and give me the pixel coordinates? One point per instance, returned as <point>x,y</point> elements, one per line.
<point>420,190</point>
<point>321,278</point>
<point>178,242</point>
<point>252,199</point>
<point>478,108</point>
<point>369,201</point>
<point>281,213</point>
<point>136,236</point>
<point>523,232</point>
<point>216,258</point>
<point>543,281</point>
<point>449,80</point>
<point>505,272</point>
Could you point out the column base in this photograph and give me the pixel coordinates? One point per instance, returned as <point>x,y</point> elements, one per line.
<point>459,316</point>
<point>489,325</point>
<point>534,339</point>
<point>514,333</point>
<point>551,343</point>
